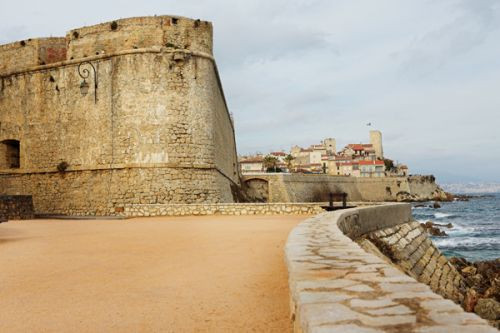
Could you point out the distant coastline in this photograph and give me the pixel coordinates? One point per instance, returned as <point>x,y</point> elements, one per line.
<point>471,188</point>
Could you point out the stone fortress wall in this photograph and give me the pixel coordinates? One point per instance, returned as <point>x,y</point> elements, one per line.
<point>158,132</point>
<point>16,207</point>
<point>338,286</point>
<point>315,188</point>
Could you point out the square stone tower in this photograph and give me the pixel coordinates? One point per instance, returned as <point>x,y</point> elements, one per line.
<point>330,145</point>
<point>376,141</point>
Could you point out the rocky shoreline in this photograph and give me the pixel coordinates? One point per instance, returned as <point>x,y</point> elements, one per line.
<point>481,293</point>
<point>482,290</point>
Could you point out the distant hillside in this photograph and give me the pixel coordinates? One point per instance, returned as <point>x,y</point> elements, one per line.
<point>472,187</point>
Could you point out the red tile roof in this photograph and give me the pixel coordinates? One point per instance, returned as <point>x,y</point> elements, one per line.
<point>356,146</point>
<point>377,162</point>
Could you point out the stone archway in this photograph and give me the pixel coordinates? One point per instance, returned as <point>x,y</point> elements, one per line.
<point>257,189</point>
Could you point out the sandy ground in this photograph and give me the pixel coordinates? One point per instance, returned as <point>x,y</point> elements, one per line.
<point>182,274</point>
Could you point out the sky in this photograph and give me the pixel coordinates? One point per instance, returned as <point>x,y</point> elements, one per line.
<point>425,73</point>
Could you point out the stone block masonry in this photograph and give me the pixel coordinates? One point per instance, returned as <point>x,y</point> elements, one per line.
<point>156,131</point>
<point>315,187</point>
<point>409,246</point>
<point>222,209</point>
<point>337,286</point>
<point>16,207</point>
<point>284,208</point>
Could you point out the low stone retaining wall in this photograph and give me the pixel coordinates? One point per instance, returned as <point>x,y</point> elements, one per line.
<point>337,286</point>
<point>222,209</point>
<point>408,246</point>
<point>16,207</point>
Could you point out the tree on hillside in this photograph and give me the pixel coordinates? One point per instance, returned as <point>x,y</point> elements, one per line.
<point>288,160</point>
<point>389,164</point>
<point>270,163</point>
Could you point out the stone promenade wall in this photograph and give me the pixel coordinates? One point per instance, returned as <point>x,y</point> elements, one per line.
<point>223,209</point>
<point>409,247</point>
<point>337,286</point>
<point>315,187</point>
<point>16,207</point>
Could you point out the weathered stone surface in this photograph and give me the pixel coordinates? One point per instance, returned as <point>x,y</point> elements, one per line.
<point>369,295</point>
<point>470,300</point>
<point>156,130</point>
<point>488,308</point>
<point>413,251</point>
<point>136,210</point>
<point>315,187</point>
<point>16,207</point>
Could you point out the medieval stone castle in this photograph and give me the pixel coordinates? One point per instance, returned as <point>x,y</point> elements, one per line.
<point>126,112</point>
<point>131,113</point>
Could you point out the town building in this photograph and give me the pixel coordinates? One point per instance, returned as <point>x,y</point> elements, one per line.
<point>252,164</point>
<point>371,168</point>
<point>354,160</point>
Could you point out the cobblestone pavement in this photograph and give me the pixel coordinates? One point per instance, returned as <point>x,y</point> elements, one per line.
<point>336,286</point>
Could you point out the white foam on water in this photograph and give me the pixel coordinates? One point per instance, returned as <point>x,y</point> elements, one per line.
<point>466,242</point>
<point>442,215</point>
<point>460,229</point>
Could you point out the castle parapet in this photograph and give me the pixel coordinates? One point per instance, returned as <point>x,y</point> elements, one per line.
<point>31,52</point>
<point>140,32</point>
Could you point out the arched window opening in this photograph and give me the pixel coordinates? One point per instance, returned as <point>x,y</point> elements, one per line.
<point>10,154</point>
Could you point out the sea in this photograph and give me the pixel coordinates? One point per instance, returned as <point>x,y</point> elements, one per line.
<point>475,234</point>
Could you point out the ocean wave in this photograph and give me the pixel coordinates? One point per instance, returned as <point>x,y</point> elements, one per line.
<point>483,242</point>
<point>442,215</point>
<point>460,229</point>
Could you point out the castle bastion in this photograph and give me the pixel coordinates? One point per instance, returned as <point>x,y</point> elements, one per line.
<point>125,112</point>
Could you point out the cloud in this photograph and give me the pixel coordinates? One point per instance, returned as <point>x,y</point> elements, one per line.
<point>472,23</point>
<point>296,71</point>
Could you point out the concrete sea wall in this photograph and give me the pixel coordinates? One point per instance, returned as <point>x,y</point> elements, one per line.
<point>315,187</point>
<point>338,286</point>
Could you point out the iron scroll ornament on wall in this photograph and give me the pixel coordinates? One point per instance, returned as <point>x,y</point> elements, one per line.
<point>85,74</point>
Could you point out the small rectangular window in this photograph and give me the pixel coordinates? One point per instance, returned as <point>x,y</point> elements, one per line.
<point>10,154</point>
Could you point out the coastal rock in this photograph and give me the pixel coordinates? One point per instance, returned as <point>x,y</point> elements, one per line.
<point>436,205</point>
<point>469,270</point>
<point>459,263</point>
<point>470,300</point>
<point>488,308</point>
<point>476,281</point>
<point>447,225</point>
<point>483,294</point>
<point>490,269</point>
<point>494,290</point>
<point>404,196</point>
<point>462,197</point>
<point>432,230</point>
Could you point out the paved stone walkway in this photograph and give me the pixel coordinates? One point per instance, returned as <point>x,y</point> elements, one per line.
<point>338,287</point>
